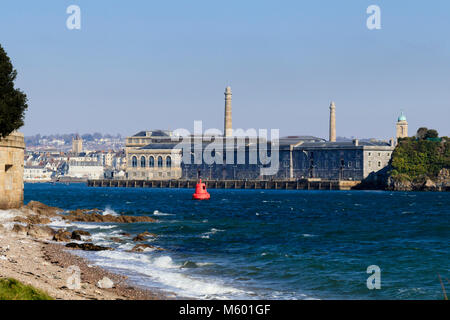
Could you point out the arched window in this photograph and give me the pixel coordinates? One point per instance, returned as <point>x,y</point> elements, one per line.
<point>160,162</point>
<point>143,162</point>
<point>168,162</point>
<point>151,162</point>
<point>134,161</point>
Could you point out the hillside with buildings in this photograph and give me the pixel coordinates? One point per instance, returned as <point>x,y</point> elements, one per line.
<point>49,162</point>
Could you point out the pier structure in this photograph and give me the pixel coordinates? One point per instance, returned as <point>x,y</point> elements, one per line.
<point>302,184</point>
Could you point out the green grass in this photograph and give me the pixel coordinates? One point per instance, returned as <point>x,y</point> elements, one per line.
<point>11,289</point>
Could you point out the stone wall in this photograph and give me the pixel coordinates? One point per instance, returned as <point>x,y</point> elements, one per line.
<point>11,171</point>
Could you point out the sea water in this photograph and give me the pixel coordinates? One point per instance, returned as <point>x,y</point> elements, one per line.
<point>269,244</point>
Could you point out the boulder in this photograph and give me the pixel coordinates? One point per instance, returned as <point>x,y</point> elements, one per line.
<point>116,239</point>
<point>142,246</point>
<point>90,216</point>
<point>429,185</point>
<point>36,219</point>
<point>62,235</point>
<point>142,236</point>
<point>76,234</point>
<point>41,232</point>
<point>20,229</point>
<point>86,247</point>
<point>42,209</point>
<point>105,283</point>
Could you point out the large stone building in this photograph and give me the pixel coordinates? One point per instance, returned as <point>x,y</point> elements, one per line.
<point>151,155</point>
<point>161,155</point>
<point>11,171</point>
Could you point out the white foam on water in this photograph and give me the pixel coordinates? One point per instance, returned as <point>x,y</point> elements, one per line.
<point>110,212</point>
<point>158,213</point>
<point>6,215</point>
<point>58,222</point>
<point>93,226</point>
<point>307,235</point>
<point>164,271</point>
<point>126,246</point>
<point>208,234</point>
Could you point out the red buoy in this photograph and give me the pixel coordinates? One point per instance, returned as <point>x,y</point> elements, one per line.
<point>200,192</point>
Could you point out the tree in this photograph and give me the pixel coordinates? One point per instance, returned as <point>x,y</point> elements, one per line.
<point>431,134</point>
<point>421,133</point>
<point>13,102</point>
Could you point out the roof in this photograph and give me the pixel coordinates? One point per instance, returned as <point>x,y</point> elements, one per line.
<point>344,144</point>
<point>296,139</point>
<point>153,133</point>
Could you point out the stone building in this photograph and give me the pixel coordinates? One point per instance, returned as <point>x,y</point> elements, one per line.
<point>77,145</point>
<point>342,160</point>
<point>402,126</point>
<point>159,155</point>
<point>151,155</point>
<point>11,171</point>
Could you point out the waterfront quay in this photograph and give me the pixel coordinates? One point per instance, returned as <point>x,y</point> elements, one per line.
<point>302,184</point>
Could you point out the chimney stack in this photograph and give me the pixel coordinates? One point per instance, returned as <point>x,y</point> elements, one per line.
<point>228,129</point>
<point>332,122</point>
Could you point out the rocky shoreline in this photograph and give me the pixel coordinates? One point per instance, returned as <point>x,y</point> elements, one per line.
<point>383,180</point>
<point>35,254</point>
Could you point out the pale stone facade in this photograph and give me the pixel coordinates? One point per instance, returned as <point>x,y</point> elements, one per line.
<point>77,145</point>
<point>11,171</point>
<point>332,122</point>
<point>154,164</point>
<point>402,126</point>
<point>149,157</point>
<point>228,126</point>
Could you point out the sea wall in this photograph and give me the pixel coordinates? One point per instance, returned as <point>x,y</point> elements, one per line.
<point>11,171</point>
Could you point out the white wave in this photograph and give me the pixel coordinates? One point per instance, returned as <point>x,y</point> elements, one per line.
<point>307,235</point>
<point>58,222</point>
<point>126,246</point>
<point>207,235</point>
<point>87,225</point>
<point>157,213</point>
<point>164,271</point>
<point>110,212</point>
<point>8,215</point>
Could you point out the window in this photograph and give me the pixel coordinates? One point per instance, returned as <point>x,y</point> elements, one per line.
<point>379,163</point>
<point>160,162</point>
<point>370,164</point>
<point>151,162</point>
<point>168,162</point>
<point>134,162</point>
<point>143,162</point>
<point>349,164</point>
<point>370,153</point>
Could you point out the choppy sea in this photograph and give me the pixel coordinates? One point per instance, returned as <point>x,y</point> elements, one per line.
<point>270,244</point>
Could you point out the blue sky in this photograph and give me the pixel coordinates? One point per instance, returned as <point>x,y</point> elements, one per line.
<point>137,65</point>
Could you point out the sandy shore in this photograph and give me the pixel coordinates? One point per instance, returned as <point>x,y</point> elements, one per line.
<point>45,265</point>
